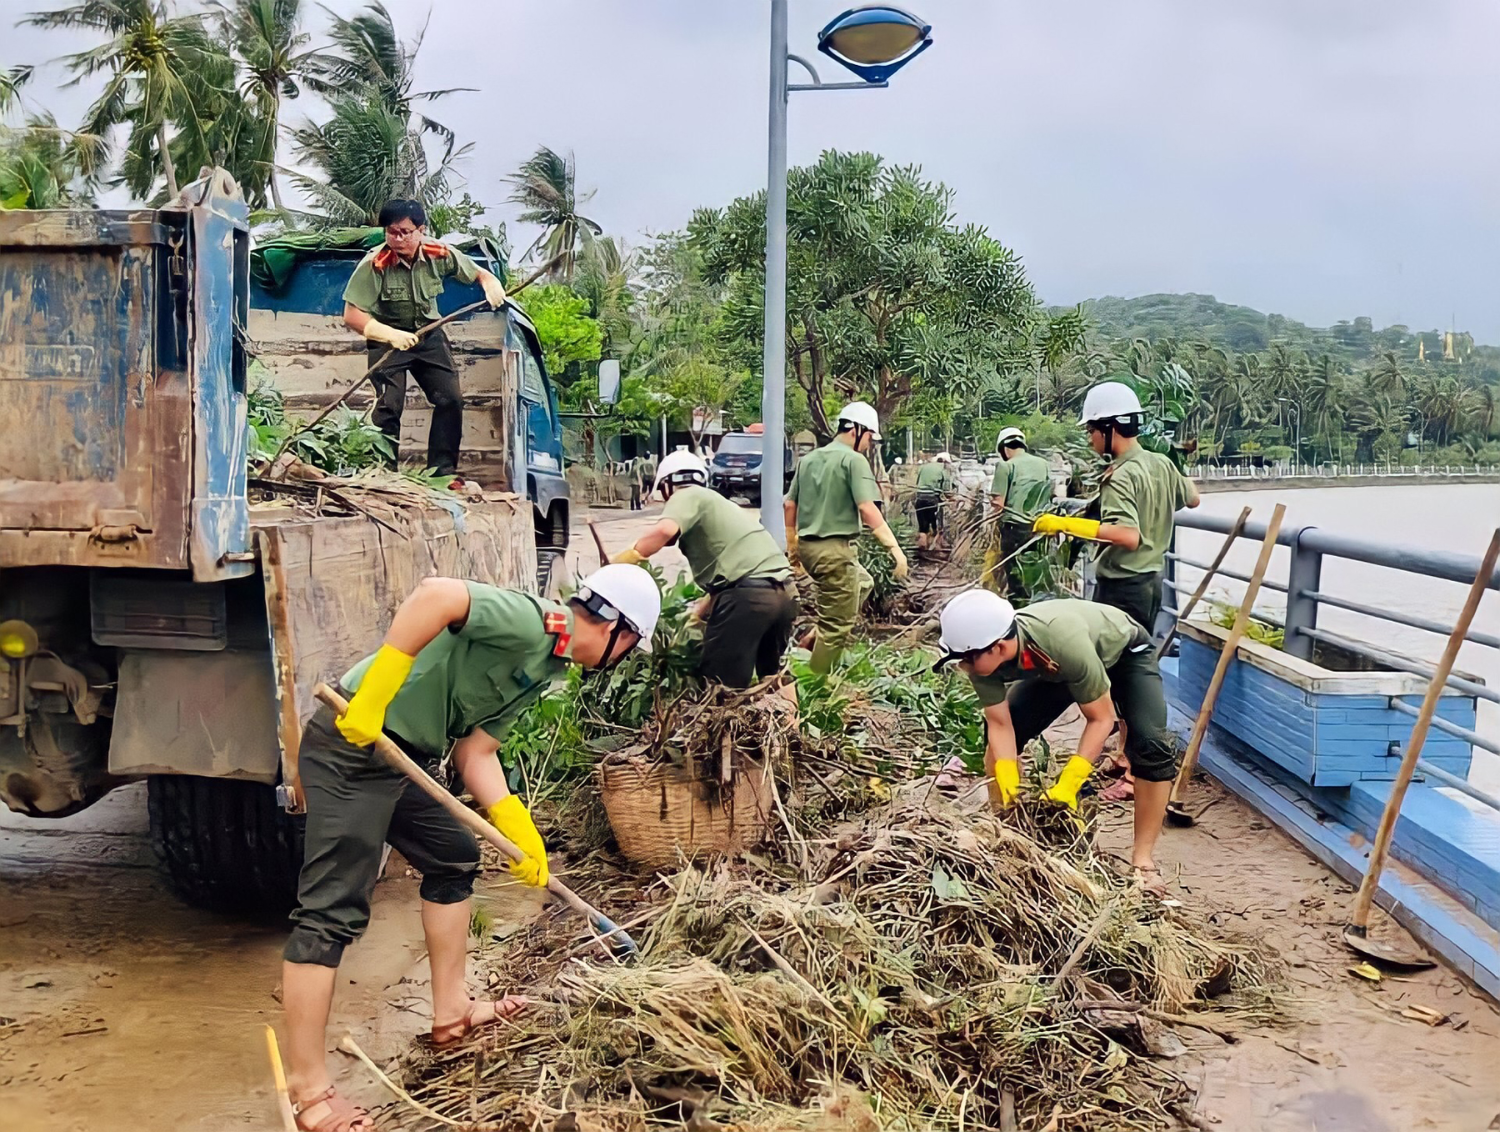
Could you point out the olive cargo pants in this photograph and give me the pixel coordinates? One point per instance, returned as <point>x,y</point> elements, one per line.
<point>1138,595</point>
<point>431,365</point>
<point>840,587</point>
<point>356,803</point>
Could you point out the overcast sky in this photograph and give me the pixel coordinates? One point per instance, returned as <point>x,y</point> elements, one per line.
<point>1318,158</point>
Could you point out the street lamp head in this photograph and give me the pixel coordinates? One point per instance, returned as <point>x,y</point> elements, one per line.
<point>875,41</point>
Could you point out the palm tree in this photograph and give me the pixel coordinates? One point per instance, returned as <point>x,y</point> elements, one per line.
<point>1321,399</point>
<point>158,70</point>
<point>268,39</point>
<point>12,79</point>
<point>42,166</point>
<point>1387,378</point>
<point>606,278</point>
<point>547,191</point>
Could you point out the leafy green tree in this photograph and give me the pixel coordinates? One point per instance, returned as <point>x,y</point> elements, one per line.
<point>546,188</point>
<point>886,296</point>
<point>159,68</point>
<point>42,166</point>
<point>568,334</point>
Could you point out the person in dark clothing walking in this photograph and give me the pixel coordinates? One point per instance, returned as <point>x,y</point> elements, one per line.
<point>392,293</point>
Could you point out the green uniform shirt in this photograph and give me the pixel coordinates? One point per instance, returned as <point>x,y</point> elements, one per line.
<point>828,486</point>
<point>1025,482</point>
<point>404,295</point>
<point>1066,641</point>
<point>484,674</point>
<point>723,543</point>
<point>932,479</point>
<point>1141,490</point>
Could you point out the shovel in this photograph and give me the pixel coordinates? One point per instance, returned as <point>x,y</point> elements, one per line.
<point>614,937</point>
<point>1177,813</point>
<point>1356,932</point>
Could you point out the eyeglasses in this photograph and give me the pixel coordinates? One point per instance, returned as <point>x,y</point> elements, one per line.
<point>401,233</point>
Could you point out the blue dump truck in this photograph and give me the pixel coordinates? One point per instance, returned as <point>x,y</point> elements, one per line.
<point>161,617</point>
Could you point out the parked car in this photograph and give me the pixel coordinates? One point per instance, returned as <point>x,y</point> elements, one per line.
<point>735,468</point>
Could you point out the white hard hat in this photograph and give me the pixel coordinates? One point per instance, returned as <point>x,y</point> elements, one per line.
<point>1109,400</point>
<point>974,620</point>
<point>1007,435</point>
<point>625,592</point>
<point>679,468</point>
<point>863,414</point>
<point>943,458</point>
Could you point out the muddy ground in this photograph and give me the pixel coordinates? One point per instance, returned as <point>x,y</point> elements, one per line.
<point>121,1010</point>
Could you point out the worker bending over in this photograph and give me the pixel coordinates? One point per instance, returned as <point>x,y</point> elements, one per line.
<point>460,662</point>
<point>1028,666</point>
<point>392,293</point>
<point>934,482</point>
<point>1138,495</point>
<point>1021,489</point>
<point>832,492</point>
<point>752,602</point>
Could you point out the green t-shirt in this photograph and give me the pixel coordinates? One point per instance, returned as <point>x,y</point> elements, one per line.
<point>932,479</point>
<point>829,485</point>
<point>1064,641</point>
<point>483,675</point>
<point>1025,482</point>
<point>1142,489</point>
<point>404,295</point>
<point>723,543</point>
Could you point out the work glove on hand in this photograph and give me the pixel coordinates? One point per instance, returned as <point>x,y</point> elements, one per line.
<point>510,817</point>
<point>629,556</point>
<point>1064,792</point>
<point>494,291</point>
<point>887,539</point>
<point>364,720</point>
<point>377,331</point>
<point>1068,525</point>
<point>1008,780</point>
<point>791,550</point>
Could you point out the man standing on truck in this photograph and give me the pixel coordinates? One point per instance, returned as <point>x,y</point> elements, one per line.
<point>752,601</point>
<point>832,492</point>
<point>934,482</point>
<point>1028,666</point>
<point>460,662</point>
<point>392,293</point>
<point>1022,487</point>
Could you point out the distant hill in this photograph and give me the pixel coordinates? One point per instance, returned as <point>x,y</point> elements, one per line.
<point>1203,318</point>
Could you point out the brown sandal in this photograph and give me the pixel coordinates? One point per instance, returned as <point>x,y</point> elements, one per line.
<point>502,1010</point>
<point>343,1115</point>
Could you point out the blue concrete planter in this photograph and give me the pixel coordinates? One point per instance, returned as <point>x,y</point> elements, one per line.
<point>1323,727</point>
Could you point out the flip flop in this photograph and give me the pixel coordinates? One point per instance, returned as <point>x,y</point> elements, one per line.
<point>502,1010</point>
<point>1144,878</point>
<point>342,1116</point>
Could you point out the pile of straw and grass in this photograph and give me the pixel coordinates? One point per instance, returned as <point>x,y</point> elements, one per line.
<point>927,969</point>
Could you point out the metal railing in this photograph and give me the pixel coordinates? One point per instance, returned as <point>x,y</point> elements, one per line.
<point>1335,471</point>
<point>1309,546</point>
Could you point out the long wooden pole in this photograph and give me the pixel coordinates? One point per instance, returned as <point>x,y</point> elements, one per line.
<point>1213,568</point>
<point>1384,832</point>
<point>610,932</point>
<point>1226,655</point>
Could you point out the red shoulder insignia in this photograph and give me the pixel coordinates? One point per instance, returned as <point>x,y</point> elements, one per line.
<point>435,249</point>
<point>383,259</point>
<point>1033,658</point>
<point>564,641</point>
<point>555,623</point>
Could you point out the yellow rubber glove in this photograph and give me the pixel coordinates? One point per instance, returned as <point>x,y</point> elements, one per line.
<point>1066,525</point>
<point>377,331</point>
<point>510,817</point>
<point>494,291</point>
<point>1064,792</point>
<point>886,538</point>
<point>1008,780</point>
<point>362,723</point>
<point>629,556</point>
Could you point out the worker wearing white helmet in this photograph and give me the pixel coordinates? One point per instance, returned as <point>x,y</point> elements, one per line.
<point>833,491</point>
<point>460,661</point>
<point>1020,490</point>
<point>752,601</point>
<point>1140,492</point>
<point>1029,666</point>
<point>934,484</point>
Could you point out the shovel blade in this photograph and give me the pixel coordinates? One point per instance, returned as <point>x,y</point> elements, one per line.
<point>1396,958</point>
<point>1177,814</point>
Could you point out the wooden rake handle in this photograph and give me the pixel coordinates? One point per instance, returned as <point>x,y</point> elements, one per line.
<point>1213,568</point>
<point>401,761</point>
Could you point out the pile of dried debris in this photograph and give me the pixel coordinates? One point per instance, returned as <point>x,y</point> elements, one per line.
<point>940,969</point>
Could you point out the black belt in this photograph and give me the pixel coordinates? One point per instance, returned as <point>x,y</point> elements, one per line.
<point>756,583</point>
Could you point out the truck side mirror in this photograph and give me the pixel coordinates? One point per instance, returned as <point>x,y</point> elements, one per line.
<point>609,381</point>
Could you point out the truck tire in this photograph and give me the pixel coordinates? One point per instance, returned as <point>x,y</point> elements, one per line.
<point>547,559</point>
<point>225,845</point>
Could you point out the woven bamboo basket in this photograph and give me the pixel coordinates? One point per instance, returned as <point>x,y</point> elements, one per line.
<point>660,811</point>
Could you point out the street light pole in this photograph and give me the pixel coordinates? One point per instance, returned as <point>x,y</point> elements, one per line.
<point>773,359</point>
